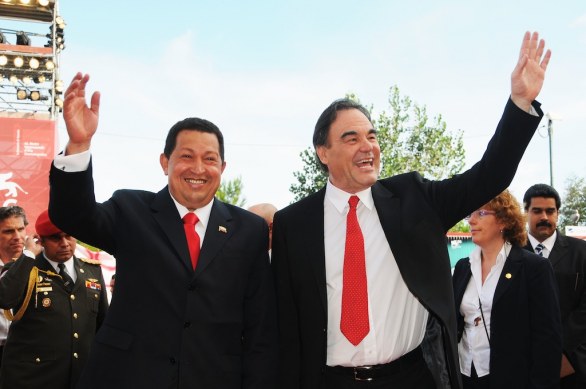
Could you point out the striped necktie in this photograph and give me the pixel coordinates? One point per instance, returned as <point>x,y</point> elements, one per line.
<point>539,249</point>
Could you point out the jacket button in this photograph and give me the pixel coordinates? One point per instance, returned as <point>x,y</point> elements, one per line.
<point>187,324</point>
<point>75,355</point>
<point>172,360</point>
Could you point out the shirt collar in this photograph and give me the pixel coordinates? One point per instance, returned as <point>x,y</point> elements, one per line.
<point>68,264</point>
<point>203,213</point>
<point>548,243</point>
<point>339,198</point>
<point>475,255</point>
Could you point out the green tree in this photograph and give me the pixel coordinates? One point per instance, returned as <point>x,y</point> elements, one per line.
<point>574,200</point>
<point>230,191</point>
<point>409,141</point>
<point>311,179</point>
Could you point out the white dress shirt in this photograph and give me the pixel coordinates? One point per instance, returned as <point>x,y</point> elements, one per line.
<point>69,267</point>
<point>474,346</point>
<point>397,319</point>
<point>547,244</point>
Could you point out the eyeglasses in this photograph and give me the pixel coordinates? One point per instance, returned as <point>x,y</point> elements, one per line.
<point>480,213</point>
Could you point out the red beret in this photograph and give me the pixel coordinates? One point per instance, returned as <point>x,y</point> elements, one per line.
<point>44,226</point>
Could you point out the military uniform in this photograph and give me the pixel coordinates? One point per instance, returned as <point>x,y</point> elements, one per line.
<point>49,340</point>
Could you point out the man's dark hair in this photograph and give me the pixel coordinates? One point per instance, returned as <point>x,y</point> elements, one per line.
<point>541,190</point>
<point>13,211</point>
<point>328,116</point>
<point>192,124</point>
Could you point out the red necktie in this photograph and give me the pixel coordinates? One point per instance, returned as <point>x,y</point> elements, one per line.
<point>189,222</point>
<point>354,322</point>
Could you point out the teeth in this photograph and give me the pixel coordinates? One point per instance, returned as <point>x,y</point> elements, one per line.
<point>192,181</point>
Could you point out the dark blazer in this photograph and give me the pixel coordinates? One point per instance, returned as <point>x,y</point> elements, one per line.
<point>49,346</point>
<point>168,325</point>
<point>525,327</point>
<point>415,214</point>
<point>568,259</point>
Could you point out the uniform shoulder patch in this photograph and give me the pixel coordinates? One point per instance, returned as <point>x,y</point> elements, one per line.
<point>90,261</point>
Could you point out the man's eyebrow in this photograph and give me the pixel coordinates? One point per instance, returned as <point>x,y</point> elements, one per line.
<point>348,133</point>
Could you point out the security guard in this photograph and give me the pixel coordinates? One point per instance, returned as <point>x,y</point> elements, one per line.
<point>57,302</point>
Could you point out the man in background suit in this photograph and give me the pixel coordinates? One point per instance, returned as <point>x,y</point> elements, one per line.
<point>13,224</point>
<point>568,258</point>
<point>410,336</point>
<point>179,318</point>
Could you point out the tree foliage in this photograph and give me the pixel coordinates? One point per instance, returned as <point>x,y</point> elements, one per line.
<point>230,191</point>
<point>574,200</point>
<point>409,141</point>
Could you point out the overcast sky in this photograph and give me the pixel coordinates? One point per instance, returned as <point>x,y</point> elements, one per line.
<point>264,70</point>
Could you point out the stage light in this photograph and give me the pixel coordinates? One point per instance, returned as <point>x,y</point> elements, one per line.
<point>50,65</point>
<point>3,60</point>
<point>39,79</point>
<point>35,95</point>
<point>60,22</point>
<point>33,63</point>
<point>59,102</point>
<point>22,39</point>
<point>21,94</point>
<point>25,2</point>
<point>13,79</point>
<point>27,80</point>
<point>59,86</point>
<point>43,3</point>
<point>18,62</point>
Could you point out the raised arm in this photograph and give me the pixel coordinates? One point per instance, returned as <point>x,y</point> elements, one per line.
<point>527,77</point>
<point>81,121</point>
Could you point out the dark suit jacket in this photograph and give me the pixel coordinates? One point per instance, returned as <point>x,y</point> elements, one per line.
<point>568,259</point>
<point>525,327</point>
<point>49,346</point>
<point>168,325</point>
<point>415,214</point>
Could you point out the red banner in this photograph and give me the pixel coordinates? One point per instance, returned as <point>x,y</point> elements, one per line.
<point>27,148</point>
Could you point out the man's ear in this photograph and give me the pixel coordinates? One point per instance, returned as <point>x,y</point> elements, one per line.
<point>322,154</point>
<point>164,163</point>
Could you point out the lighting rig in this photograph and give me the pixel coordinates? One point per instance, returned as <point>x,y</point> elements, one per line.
<point>29,61</point>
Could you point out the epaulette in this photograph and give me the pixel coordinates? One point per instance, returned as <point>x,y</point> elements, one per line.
<point>90,261</point>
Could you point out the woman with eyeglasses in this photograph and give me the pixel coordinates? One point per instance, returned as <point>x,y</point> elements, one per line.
<point>509,328</point>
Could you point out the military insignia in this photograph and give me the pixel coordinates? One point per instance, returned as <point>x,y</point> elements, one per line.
<point>40,279</point>
<point>44,289</point>
<point>81,271</point>
<point>92,283</point>
<point>90,261</point>
<point>46,302</point>
<point>222,229</point>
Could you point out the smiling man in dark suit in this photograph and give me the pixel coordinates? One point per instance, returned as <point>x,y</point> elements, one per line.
<point>568,258</point>
<point>394,325</point>
<point>194,302</point>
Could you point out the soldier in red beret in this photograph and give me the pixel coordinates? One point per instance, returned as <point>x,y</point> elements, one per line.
<point>57,302</point>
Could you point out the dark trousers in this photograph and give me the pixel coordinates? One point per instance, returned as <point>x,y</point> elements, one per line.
<point>414,375</point>
<point>475,382</point>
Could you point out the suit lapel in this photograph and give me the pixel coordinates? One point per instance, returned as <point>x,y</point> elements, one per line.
<point>166,214</point>
<point>218,231</point>
<point>388,209</point>
<point>559,250</point>
<point>509,273</point>
<point>314,230</point>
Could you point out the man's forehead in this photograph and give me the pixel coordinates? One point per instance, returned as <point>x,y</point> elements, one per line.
<point>542,202</point>
<point>12,222</point>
